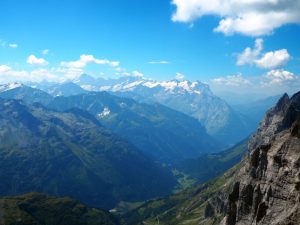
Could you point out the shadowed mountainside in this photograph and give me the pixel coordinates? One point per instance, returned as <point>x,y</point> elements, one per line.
<point>72,154</point>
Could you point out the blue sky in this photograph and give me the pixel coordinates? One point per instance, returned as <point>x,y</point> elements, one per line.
<point>186,35</point>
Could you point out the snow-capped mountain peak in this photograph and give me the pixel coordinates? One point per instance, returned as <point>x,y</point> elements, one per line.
<point>10,86</point>
<point>127,84</point>
<point>179,87</point>
<point>104,113</point>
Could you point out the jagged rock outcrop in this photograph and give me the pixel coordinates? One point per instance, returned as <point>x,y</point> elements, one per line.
<point>267,188</point>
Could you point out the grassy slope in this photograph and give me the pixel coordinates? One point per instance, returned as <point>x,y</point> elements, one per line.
<point>39,209</point>
<point>186,207</point>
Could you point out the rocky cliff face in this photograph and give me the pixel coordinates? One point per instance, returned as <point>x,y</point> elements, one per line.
<point>267,187</point>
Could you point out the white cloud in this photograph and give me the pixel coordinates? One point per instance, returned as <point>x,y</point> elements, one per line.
<point>75,68</point>
<point>91,58</point>
<point>238,89</point>
<point>278,77</point>
<point>126,74</point>
<point>119,69</point>
<point>85,59</point>
<point>13,45</point>
<point>114,63</point>
<point>44,74</point>
<point>7,74</point>
<point>159,62</point>
<point>74,64</point>
<point>268,60</point>
<point>33,60</point>
<point>45,51</point>
<point>248,17</point>
<point>66,70</point>
<point>70,72</point>
<point>248,56</point>
<point>4,43</point>
<point>136,73</point>
<point>179,76</point>
<point>273,59</point>
<point>4,68</point>
<point>233,80</point>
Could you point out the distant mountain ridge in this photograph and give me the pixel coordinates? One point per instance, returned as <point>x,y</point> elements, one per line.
<point>72,154</point>
<point>165,134</point>
<point>59,89</point>
<point>25,93</point>
<point>256,110</point>
<point>195,99</point>
<point>192,98</point>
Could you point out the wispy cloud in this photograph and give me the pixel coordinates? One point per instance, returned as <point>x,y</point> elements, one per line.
<point>159,62</point>
<point>232,80</point>
<point>179,76</point>
<point>4,43</point>
<point>13,45</point>
<point>45,52</point>
<point>273,82</point>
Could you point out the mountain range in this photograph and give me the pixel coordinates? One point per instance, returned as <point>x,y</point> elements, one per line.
<point>59,89</point>
<point>226,123</point>
<point>103,149</point>
<point>106,147</point>
<point>163,133</point>
<point>72,154</point>
<point>160,132</point>
<point>192,98</point>
<point>195,99</point>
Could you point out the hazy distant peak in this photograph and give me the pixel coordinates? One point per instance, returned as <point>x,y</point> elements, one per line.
<point>84,79</point>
